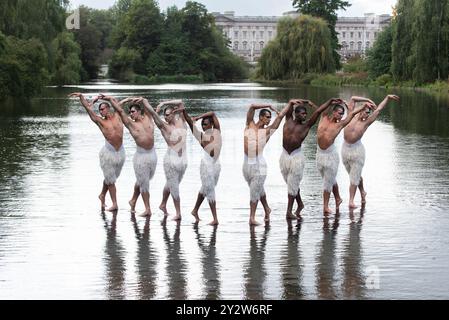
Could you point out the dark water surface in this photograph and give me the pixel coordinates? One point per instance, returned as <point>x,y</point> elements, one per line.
<point>56,244</point>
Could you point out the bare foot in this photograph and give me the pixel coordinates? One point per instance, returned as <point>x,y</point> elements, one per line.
<point>132,204</point>
<point>112,209</point>
<point>214,223</point>
<point>290,216</point>
<point>327,210</point>
<point>364,197</point>
<point>352,205</point>
<point>164,209</point>
<point>253,222</point>
<point>195,215</point>
<point>146,213</point>
<point>338,202</point>
<point>177,218</point>
<point>103,201</point>
<point>267,215</point>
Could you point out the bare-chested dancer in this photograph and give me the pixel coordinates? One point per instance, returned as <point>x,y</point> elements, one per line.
<point>210,141</point>
<point>174,131</point>
<point>353,151</point>
<point>112,155</point>
<point>327,156</point>
<point>141,128</point>
<point>292,159</point>
<point>256,136</point>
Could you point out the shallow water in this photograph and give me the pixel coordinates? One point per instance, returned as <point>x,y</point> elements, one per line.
<point>56,244</point>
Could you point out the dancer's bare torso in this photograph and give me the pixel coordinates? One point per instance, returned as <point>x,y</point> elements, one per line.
<point>143,132</point>
<point>255,139</point>
<point>294,134</point>
<point>355,130</point>
<point>112,129</point>
<point>327,131</point>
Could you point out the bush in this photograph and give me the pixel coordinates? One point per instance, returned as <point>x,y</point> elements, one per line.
<point>384,80</point>
<point>354,65</point>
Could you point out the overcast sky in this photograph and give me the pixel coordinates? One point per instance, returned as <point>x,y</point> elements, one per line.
<point>257,7</point>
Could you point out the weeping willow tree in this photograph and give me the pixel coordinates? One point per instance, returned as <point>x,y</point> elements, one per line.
<point>302,45</point>
<point>420,48</point>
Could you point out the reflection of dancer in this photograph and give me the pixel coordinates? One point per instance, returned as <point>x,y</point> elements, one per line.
<point>327,156</point>
<point>292,159</point>
<point>146,260</point>
<point>211,276</point>
<point>176,264</point>
<point>254,166</point>
<point>174,131</point>
<point>326,262</point>
<point>255,270</point>
<point>210,141</point>
<point>114,259</point>
<point>141,127</point>
<point>354,278</point>
<point>291,269</point>
<point>353,151</point>
<point>112,156</point>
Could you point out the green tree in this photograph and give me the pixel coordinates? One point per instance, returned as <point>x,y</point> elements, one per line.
<point>379,56</point>
<point>302,45</point>
<point>327,10</point>
<point>66,52</point>
<point>124,63</point>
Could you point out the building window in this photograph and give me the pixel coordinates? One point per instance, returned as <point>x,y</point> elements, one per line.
<point>351,45</point>
<point>352,35</point>
<point>367,34</point>
<point>236,34</point>
<point>344,45</point>
<point>254,34</point>
<point>344,34</point>
<point>236,45</point>
<point>245,45</point>
<point>261,45</point>
<point>240,27</point>
<point>360,35</point>
<point>367,45</point>
<point>245,34</point>
<point>359,46</point>
<point>257,27</point>
<point>261,34</point>
<point>265,27</point>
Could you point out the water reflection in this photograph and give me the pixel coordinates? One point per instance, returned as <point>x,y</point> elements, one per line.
<point>254,270</point>
<point>114,259</point>
<point>176,264</point>
<point>353,273</point>
<point>291,264</point>
<point>210,263</point>
<point>326,260</point>
<point>146,261</point>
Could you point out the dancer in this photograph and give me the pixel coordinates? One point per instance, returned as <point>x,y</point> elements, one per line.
<point>353,151</point>
<point>210,141</point>
<point>292,160</point>
<point>254,169</point>
<point>112,155</point>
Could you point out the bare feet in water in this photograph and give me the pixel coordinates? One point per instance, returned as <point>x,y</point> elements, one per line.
<point>338,202</point>
<point>164,209</point>
<point>195,215</point>
<point>352,205</point>
<point>253,222</point>
<point>132,204</point>
<point>146,213</point>
<point>290,216</point>
<point>327,211</point>
<point>103,201</point>
<point>214,223</point>
<point>267,215</point>
<point>112,209</point>
<point>177,218</point>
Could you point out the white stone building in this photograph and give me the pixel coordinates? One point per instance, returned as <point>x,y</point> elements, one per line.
<point>248,35</point>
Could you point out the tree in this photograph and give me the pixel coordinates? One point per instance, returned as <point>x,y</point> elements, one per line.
<point>327,10</point>
<point>379,56</point>
<point>66,52</point>
<point>302,45</point>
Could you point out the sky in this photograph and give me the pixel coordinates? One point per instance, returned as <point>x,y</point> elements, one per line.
<point>257,7</point>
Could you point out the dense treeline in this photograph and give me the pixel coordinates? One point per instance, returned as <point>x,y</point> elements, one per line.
<point>303,45</point>
<point>182,42</point>
<point>134,37</point>
<point>416,46</point>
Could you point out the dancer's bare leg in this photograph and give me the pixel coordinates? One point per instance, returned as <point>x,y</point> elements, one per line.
<point>338,199</point>
<point>213,209</point>
<point>362,191</point>
<point>266,207</point>
<point>198,203</point>
<point>146,202</point>
<point>163,206</point>
<point>352,191</point>
<point>133,200</point>
<point>177,203</point>
<point>252,213</point>
<point>326,197</point>
<point>291,200</point>
<point>113,193</point>
<point>300,204</point>
<point>102,196</point>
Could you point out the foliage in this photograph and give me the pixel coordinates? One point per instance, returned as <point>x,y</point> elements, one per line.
<point>379,56</point>
<point>302,45</point>
<point>66,51</point>
<point>327,10</point>
<point>355,64</point>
